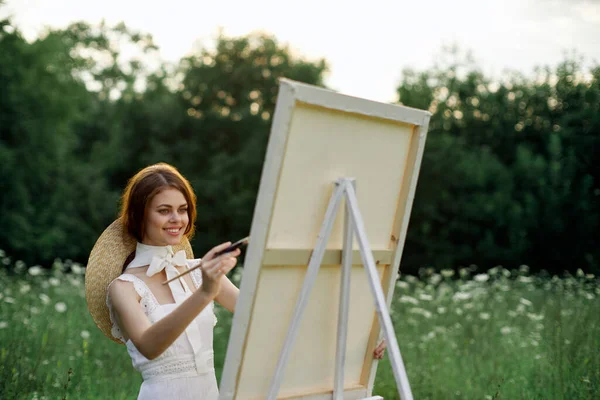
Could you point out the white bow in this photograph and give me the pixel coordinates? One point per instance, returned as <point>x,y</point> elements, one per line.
<point>159,263</point>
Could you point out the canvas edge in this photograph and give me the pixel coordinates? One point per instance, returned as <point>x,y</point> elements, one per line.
<point>327,98</point>
<point>286,100</point>
<point>421,135</point>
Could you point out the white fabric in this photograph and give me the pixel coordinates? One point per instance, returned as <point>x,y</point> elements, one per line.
<point>162,257</point>
<point>185,370</point>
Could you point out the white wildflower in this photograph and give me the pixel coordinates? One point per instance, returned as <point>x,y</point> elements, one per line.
<point>534,343</point>
<point>60,307</point>
<point>579,273</point>
<point>468,306</point>
<point>44,298</point>
<point>85,334</point>
<point>57,265</point>
<point>505,273</point>
<point>3,324</point>
<point>20,266</point>
<point>411,279</point>
<point>54,281</point>
<point>425,297</point>
<point>481,277</point>
<point>464,272</point>
<point>441,310</point>
<point>525,279</point>
<point>461,296</point>
<point>420,311</point>
<point>6,260</point>
<point>524,269</point>
<point>78,269</point>
<point>25,288</point>
<point>435,279</point>
<point>400,284</point>
<point>506,330</point>
<point>494,271</point>
<point>512,313</point>
<point>538,356</point>
<point>467,286</point>
<point>9,300</point>
<point>525,302</point>
<point>447,273</point>
<point>2,253</point>
<point>34,310</point>
<point>484,316</point>
<point>520,308</point>
<point>589,296</point>
<point>408,299</point>
<point>535,317</point>
<point>35,270</point>
<point>458,311</point>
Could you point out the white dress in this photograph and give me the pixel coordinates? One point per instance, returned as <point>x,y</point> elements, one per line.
<point>180,372</point>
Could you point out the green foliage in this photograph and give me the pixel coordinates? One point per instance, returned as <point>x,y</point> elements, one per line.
<point>511,170</point>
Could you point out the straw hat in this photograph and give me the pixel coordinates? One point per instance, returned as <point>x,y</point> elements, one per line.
<point>105,264</point>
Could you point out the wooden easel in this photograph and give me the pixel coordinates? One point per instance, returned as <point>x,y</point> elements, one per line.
<point>353,225</point>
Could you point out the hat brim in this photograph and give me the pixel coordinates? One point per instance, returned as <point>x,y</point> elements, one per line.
<point>105,264</point>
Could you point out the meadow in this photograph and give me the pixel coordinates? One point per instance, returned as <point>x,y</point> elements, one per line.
<point>463,335</point>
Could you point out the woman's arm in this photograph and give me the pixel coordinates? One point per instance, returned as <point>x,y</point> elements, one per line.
<point>152,339</point>
<point>228,294</point>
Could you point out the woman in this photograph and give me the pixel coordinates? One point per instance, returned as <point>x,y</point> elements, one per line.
<point>167,328</point>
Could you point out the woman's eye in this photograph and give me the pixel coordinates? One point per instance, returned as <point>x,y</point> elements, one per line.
<point>183,210</point>
<point>164,211</point>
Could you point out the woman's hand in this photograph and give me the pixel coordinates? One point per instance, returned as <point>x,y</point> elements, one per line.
<point>380,350</point>
<point>213,268</point>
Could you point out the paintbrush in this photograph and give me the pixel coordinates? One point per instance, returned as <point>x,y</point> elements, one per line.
<point>236,245</point>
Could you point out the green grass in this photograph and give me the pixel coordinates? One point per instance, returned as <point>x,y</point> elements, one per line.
<point>502,335</point>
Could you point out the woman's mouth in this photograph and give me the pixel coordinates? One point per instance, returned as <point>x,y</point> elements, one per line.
<point>173,231</point>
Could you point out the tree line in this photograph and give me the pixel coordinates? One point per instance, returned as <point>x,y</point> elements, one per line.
<point>510,174</point>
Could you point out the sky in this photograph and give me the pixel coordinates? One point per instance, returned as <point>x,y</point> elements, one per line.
<point>366,43</point>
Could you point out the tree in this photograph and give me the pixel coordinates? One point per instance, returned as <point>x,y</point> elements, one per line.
<point>510,171</point>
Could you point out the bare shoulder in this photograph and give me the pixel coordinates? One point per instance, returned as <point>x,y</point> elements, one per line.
<point>121,290</point>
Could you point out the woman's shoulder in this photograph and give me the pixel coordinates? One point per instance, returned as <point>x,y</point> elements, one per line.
<point>126,284</point>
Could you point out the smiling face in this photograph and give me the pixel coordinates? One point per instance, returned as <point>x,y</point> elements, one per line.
<point>166,218</point>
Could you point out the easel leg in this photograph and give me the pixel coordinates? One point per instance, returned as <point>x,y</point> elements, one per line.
<point>340,355</point>
<point>380,303</point>
<point>311,275</point>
